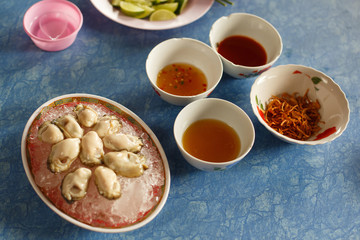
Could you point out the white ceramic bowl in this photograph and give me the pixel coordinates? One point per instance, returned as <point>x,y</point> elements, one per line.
<point>254,27</point>
<point>334,107</point>
<point>218,109</point>
<point>184,50</point>
<point>158,196</point>
<point>53,25</point>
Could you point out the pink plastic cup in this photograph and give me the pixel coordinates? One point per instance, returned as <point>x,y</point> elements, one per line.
<point>53,24</point>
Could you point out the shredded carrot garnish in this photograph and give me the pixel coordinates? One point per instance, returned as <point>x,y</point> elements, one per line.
<point>294,116</point>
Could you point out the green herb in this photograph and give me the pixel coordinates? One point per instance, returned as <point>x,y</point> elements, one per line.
<point>224,2</point>
<point>316,80</point>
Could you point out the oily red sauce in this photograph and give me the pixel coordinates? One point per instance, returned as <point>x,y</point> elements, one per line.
<point>211,140</point>
<point>182,79</point>
<point>242,50</point>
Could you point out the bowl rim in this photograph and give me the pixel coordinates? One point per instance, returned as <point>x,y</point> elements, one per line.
<point>222,101</point>
<point>291,140</point>
<point>264,66</point>
<point>208,91</point>
<point>74,33</point>
<point>65,216</point>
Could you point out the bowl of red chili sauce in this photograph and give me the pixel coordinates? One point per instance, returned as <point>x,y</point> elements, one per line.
<point>300,105</point>
<point>247,44</point>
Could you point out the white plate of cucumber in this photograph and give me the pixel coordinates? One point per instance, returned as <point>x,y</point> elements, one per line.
<point>153,14</point>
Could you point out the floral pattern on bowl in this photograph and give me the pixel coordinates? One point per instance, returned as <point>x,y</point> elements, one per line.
<point>253,73</point>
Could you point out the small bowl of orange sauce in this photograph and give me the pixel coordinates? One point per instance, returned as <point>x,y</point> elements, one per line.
<point>213,134</point>
<point>247,44</point>
<point>182,70</point>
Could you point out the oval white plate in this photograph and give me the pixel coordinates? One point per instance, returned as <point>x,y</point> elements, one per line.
<point>124,112</point>
<point>194,10</point>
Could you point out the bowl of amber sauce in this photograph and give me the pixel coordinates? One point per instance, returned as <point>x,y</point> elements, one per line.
<point>182,70</point>
<point>247,44</point>
<point>300,105</point>
<point>213,134</point>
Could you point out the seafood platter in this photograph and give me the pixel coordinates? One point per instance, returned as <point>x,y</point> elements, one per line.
<point>95,163</point>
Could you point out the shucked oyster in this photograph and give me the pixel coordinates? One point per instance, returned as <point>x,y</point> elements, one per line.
<point>50,133</point>
<point>120,141</point>
<point>86,115</point>
<point>74,185</point>
<point>63,154</point>
<point>107,125</point>
<point>107,183</point>
<point>70,127</point>
<point>92,150</point>
<point>126,163</point>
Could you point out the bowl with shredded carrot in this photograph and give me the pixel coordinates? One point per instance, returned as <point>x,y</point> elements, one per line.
<point>300,105</point>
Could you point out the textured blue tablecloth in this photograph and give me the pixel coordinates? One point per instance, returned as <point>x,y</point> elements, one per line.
<point>279,191</point>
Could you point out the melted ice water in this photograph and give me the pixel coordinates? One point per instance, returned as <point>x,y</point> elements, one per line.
<point>52,25</point>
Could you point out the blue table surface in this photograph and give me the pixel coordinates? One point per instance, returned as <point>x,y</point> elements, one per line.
<point>278,191</point>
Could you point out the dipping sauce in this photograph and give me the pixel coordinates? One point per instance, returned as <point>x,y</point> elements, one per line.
<point>211,140</point>
<point>182,79</point>
<point>242,50</point>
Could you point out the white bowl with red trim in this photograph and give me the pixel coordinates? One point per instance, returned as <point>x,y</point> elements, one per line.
<point>334,107</point>
<point>251,26</point>
<point>184,50</point>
